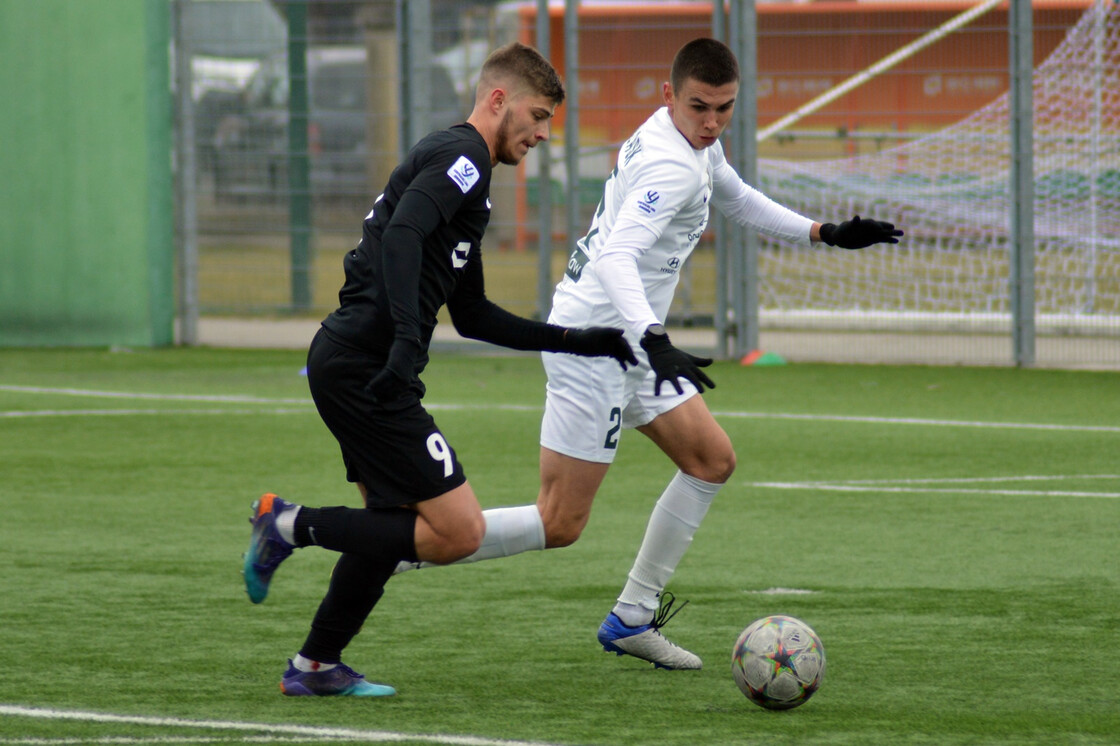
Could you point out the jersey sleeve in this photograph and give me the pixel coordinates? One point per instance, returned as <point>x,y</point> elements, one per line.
<point>401,257</point>
<point>477,317</point>
<point>453,176</point>
<point>651,197</point>
<point>751,208</point>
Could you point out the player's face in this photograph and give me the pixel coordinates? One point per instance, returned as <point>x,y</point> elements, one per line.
<point>526,122</point>
<point>700,111</point>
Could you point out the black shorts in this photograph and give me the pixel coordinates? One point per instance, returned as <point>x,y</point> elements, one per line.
<point>393,448</point>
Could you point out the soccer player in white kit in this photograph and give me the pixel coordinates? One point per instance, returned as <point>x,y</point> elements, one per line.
<point>623,273</point>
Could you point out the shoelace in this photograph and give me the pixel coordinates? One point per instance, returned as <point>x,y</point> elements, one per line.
<point>664,610</point>
<point>350,672</point>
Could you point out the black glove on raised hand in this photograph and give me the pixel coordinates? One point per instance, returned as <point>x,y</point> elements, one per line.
<point>392,380</point>
<point>669,363</point>
<point>859,234</point>
<point>600,341</point>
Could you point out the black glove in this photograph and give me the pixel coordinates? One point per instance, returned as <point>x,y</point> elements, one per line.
<point>600,341</point>
<point>393,379</point>
<point>859,234</point>
<point>669,363</point>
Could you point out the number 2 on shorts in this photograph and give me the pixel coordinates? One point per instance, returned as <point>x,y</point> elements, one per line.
<point>616,425</point>
<point>441,452</point>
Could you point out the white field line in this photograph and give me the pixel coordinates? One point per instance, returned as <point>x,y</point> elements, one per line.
<point>15,414</point>
<point>160,740</point>
<point>435,406</point>
<point>922,422</point>
<point>324,733</point>
<point>898,486</point>
<point>974,480</point>
<point>211,398</point>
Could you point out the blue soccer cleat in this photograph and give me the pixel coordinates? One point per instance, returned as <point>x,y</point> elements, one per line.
<point>645,641</point>
<point>340,681</point>
<point>267,549</point>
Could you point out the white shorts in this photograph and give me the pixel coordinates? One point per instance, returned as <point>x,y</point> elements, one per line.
<point>590,400</point>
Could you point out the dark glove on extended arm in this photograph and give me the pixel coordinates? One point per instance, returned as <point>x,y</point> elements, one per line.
<point>859,234</point>
<point>600,341</point>
<point>669,363</point>
<point>399,369</point>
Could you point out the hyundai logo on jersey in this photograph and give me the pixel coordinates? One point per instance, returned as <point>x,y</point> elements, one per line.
<point>647,202</point>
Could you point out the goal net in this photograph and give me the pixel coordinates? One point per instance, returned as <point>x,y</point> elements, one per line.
<point>950,192</point>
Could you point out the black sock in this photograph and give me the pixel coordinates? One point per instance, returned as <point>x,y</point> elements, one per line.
<point>387,534</point>
<point>357,584</point>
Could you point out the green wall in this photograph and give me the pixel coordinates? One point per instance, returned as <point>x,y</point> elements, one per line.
<point>86,228</point>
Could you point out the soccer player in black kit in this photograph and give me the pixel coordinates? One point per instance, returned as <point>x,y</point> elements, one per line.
<point>420,250</point>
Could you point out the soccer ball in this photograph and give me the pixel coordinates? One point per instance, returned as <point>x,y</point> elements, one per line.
<point>778,662</point>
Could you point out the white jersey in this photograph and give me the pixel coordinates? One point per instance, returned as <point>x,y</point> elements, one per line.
<point>654,209</point>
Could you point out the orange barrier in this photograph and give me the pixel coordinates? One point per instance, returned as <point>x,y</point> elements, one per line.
<point>803,50</point>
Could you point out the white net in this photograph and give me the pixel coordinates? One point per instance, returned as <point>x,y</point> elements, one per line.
<point>950,192</point>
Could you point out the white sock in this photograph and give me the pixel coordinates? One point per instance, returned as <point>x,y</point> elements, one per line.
<point>675,518</point>
<point>286,525</point>
<point>307,665</point>
<point>509,531</point>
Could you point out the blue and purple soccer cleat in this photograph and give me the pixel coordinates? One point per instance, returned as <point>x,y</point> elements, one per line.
<point>340,681</point>
<point>267,549</point>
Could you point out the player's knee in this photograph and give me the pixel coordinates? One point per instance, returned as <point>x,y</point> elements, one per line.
<point>726,467</point>
<point>472,535</point>
<point>715,465</point>
<point>464,542</point>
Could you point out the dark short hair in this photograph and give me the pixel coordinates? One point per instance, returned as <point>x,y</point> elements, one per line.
<point>706,61</point>
<point>521,62</point>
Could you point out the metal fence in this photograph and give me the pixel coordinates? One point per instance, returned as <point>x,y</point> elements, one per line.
<point>291,115</point>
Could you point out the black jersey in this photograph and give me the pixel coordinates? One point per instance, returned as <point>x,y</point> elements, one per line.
<point>444,185</point>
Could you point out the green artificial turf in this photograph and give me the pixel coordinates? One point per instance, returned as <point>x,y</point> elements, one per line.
<point>950,533</point>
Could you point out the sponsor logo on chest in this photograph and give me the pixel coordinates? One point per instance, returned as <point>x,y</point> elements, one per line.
<point>672,266</point>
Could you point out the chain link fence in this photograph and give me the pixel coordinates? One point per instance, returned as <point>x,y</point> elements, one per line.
<point>291,115</point>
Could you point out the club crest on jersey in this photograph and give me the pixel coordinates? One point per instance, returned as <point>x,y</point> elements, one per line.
<point>648,203</point>
<point>463,173</point>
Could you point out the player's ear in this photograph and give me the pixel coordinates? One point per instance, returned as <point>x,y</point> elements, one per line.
<point>498,99</point>
<point>667,92</point>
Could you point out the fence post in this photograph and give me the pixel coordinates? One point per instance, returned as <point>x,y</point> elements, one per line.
<point>744,253</point>
<point>299,177</point>
<point>1020,33</point>
<point>186,181</point>
<point>414,29</point>
<point>544,185</point>
<point>571,124</point>
<point>720,225</point>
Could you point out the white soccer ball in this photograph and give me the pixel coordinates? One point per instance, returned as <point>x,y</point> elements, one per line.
<point>778,662</point>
